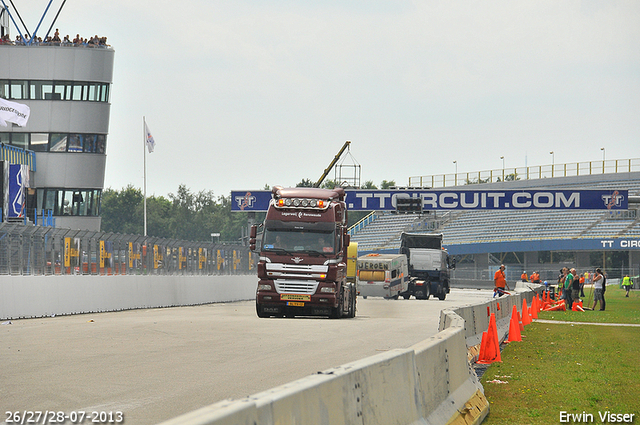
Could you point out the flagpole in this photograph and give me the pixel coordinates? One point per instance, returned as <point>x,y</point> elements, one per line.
<point>144,150</point>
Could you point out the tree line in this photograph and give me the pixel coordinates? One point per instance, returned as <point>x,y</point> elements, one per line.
<point>182,215</point>
<point>188,215</point>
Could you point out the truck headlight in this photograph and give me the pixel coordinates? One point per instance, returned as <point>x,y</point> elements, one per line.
<point>328,289</point>
<point>265,287</point>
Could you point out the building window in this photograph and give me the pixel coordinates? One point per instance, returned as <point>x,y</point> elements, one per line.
<point>75,143</point>
<point>54,90</point>
<point>19,90</point>
<point>70,202</point>
<point>39,142</point>
<point>58,143</point>
<point>20,140</point>
<point>77,92</point>
<point>4,89</point>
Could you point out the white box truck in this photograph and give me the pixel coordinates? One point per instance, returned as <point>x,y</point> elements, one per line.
<point>382,275</point>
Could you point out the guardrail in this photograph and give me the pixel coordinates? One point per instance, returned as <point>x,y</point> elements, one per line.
<point>527,173</point>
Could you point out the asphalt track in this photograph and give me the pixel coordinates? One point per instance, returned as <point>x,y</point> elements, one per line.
<point>155,364</point>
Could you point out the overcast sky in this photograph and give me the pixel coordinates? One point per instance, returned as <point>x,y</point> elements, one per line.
<point>239,94</point>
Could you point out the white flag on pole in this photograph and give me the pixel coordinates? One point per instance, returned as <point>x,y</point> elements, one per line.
<point>16,113</point>
<point>151,144</point>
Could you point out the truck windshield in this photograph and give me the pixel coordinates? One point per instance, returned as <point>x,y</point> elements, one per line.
<point>291,240</point>
<point>421,241</point>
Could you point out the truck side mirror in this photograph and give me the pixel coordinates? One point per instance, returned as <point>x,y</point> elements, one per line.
<point>252,237</point>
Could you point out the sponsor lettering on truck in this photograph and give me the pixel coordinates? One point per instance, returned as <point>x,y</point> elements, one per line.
<point>382,275</point>
<point>302,269</point>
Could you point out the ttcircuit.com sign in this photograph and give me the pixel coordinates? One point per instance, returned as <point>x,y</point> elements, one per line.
<point>434,200</point>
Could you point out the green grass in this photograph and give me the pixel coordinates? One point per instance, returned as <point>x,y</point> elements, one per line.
<point>570,368</point>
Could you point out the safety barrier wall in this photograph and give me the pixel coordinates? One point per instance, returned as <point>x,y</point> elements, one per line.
<point>39,296</point>
<point>429,383</point>
<point>432,382</point>
<point>477,316</point>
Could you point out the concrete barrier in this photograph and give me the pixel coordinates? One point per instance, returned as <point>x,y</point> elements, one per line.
<point>39,296</point>
<point>432,382</point>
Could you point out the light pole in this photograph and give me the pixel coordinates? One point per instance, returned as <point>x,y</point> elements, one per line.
<point>455,178</point>
<point>603,152</point>
<point>553,161</point>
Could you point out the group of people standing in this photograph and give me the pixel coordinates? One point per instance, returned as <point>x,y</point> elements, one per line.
<point>94,41</point>
<point>572,286</point>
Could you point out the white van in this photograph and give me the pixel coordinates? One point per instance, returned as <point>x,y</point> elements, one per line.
<point>383,275</point>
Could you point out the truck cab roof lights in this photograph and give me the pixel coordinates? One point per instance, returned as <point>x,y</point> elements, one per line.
<point>308,203</point>
<point>336,194</point>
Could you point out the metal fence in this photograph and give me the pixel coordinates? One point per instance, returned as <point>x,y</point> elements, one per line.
<point>527,173</point>
<point>35,250</point>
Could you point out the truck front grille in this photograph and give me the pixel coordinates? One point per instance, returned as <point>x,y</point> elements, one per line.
<point>291,286</point>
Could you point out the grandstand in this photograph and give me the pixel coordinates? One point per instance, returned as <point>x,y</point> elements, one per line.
<point>478,235</point>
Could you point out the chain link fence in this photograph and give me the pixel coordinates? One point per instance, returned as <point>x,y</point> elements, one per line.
<point>35,250</point>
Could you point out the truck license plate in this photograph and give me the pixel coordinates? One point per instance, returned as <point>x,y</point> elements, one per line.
<point>295,297</point>
<point>295,303</point>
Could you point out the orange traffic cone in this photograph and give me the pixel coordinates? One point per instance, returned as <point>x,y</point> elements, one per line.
<point>557,307</point>
<point>520,322</point>
<point>483,347</point>
<point>534,308</point>
<point>514,327</point>
<point>526,319</point>
<point>491,351</point>
<point>577,306</point>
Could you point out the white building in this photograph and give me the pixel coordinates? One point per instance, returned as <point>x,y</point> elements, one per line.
<point>67,88</point>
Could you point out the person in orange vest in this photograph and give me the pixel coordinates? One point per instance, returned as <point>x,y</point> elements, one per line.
<point>500,282</point>
<point>524,277</point>
<point>535,277</point>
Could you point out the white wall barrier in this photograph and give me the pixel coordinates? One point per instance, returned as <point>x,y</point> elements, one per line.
<point>39,296</point>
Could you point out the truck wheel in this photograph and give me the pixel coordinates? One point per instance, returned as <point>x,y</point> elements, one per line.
<point>336,313</point>
<point>427,290</point>
<point>442,294</point>
<point>352,305</point>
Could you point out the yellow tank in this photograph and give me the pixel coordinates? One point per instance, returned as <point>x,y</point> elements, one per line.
<point>352,259</point>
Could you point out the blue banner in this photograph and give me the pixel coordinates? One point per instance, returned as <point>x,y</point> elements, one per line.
<point>443,199</point>
<point>17,193</point>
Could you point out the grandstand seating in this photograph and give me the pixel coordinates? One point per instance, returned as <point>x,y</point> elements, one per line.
<point>465,227</point>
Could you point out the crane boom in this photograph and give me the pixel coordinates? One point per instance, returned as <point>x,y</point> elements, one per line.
<point>335,159</point>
